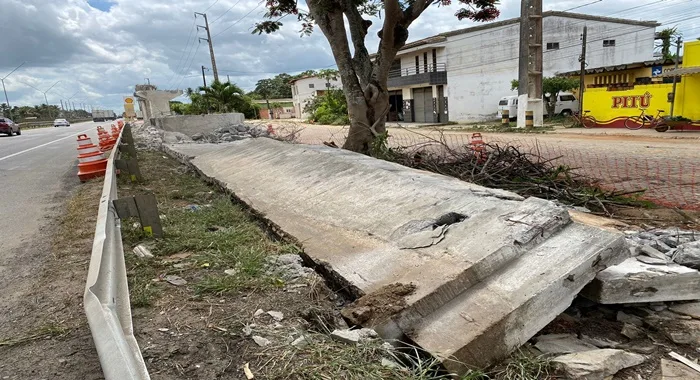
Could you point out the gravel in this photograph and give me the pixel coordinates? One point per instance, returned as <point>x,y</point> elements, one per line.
<point>672,244</point>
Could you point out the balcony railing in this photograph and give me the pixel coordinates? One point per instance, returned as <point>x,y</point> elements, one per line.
<point>431,74</point>
<point>431,68</point>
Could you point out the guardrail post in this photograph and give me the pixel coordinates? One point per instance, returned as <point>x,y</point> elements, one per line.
<point>143,206</point>
<point>131,166</point>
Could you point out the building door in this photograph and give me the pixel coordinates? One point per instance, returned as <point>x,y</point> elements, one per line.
<point>395,106</point>
<point>423,104</point>
<point>442,115</point>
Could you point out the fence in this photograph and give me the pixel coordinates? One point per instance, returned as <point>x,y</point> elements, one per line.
<point>106,296</point>
<point>46,123</point>
<point>664,180</point>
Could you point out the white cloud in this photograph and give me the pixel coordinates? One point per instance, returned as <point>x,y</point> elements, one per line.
<point>102,55</point>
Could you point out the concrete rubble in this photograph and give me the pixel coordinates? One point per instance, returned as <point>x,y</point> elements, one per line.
<point>449,255</point>
<point>664,267</point>
<point>595,364</point>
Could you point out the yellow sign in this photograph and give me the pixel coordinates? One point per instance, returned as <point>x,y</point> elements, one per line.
<point>128,100</point>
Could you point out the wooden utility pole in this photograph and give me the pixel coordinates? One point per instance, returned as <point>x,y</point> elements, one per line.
<point>211,45</point>
<point>204,78</point>
<point>675,77</point>
<point>582,76</point>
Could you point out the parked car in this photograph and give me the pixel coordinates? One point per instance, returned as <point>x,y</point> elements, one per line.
<point>9,127</point>
<point>61,123</point>
<point>566,105</point>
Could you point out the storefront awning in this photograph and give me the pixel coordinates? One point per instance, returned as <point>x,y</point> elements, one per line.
<point>681,71</point>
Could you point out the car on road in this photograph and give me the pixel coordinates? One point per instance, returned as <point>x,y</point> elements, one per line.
<point>61,123</point>
<point>9,127</point>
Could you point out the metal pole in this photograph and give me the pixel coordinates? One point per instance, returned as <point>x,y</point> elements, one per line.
<point>211,46</point>
<point>7,100</point>
<point>675,68</point>
<point>228,78</point>
<point>62,109</point>
<point>582,77</point>
<point>204,79</point>
<point>148,80</point>
<point>47,105</point>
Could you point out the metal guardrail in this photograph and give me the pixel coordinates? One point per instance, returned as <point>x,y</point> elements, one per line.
<point>46,123</point>
<point>106,298</point>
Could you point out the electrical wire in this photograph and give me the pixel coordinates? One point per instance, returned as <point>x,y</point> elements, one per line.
<point>240,19</point>
<point>223,14</point>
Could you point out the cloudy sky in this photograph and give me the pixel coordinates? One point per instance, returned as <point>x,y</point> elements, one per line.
<point>99,49</point>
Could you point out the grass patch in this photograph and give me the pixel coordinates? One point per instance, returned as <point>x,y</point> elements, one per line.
<point>524,365</point>
<point>46,331</point>
<point>500,128</point>
<point>205,235</point>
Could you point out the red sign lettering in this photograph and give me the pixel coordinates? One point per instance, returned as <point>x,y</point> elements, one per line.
<point>634,101</point>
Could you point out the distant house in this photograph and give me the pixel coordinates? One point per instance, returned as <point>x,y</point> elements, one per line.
<point>305,88</point>
<point>462,74</point>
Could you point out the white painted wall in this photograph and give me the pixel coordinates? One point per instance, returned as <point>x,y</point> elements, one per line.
<point>481,64</point>
<point>302,92</point>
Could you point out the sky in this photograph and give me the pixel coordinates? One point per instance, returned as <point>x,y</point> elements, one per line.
<point>100,49</point>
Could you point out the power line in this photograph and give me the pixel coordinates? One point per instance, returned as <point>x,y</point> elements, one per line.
<point>182,55</point>
<point>223,14</point>
<point>189,68</point>
<point>240,19</point>
<point>209,7</point>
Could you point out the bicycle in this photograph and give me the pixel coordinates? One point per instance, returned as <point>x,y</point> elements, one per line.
<point>637,122</point>
<point>584,120</point>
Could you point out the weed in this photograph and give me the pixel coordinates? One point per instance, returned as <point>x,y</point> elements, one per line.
<point>48,330</point>
<point>524,365</point>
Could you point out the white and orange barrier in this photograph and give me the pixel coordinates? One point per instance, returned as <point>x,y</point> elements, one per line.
<point>91,162</point>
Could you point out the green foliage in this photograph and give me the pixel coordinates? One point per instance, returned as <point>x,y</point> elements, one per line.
<point>666,36</point>
<point>329,108</point>
<point>553,86</point>
<point>218,98</point>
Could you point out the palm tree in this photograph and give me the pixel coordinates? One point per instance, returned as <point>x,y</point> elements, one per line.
<point>226,97</point>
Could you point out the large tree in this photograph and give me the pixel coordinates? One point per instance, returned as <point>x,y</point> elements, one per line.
<point>364,78</point>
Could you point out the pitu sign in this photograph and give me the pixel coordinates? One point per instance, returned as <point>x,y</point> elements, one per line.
<point>633,101</point>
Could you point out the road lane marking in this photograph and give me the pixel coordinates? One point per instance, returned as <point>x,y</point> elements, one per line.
<point>43,145</point>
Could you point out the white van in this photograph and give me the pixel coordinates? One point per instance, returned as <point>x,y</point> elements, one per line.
<point>566,105</point>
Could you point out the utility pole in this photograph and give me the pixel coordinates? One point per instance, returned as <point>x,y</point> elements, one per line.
<point>148,80</point>
<point>675,77</point>
<point>228,79</point>
<point>204,78</point>
<point>211,45</point>
<point>7,100</point>
<point>47,99</point>
<point>530,62</point>
<point>582,76</point>
<point>62,109</point>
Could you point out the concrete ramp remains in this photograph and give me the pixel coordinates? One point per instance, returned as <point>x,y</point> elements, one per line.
<point>466,272</point>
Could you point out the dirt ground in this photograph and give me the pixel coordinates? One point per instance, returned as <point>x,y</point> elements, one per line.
<point>43,329</point>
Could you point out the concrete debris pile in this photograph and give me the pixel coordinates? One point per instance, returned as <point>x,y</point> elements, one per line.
<point>147,137</point>
<point>234,132</point>
<point>665,266</point>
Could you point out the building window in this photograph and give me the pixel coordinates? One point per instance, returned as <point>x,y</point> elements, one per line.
<point>311,85</point>
<point>434,60</point>
<point>425,62</point>
<point>328,85</point>
<point>552,45</point>
<point>417,64</point>
<point>608,43</point>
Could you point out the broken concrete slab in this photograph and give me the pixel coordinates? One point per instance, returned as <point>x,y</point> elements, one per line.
<point>688,254</point>
<point>561,344</point>
<point>691,309</point>
<point>595,364</point>
<point>346,336</point>
<point>369,224</point>
<point>673,370</point>
<point>633,282</point>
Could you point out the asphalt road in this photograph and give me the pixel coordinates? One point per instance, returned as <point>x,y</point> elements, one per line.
<point>36,171</point>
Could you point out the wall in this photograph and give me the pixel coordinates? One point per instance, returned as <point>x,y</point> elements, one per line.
<point>688,91</point>
<point>481,64</point>
<point>610,108</point>
<point>302,93</point>
<point>191,124</point>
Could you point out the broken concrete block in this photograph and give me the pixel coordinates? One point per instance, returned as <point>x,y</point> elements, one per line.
<point>649,251</point>
<point>499,273</point>
<point>276,315</point>
<point>628,318</point>
<point>688,254</point>
<point>691,309</point>
<point>595,364</point>
<point>346,336</point>
<point>631,331</point>
<point>673,370</point>
<point>600,342</point>
<point>142,251</point>
<point>633,281</point>
<point>562,344</point>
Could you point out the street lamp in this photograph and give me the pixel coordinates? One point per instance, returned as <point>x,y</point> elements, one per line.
<point>47,99</point>
<point>9,109</point>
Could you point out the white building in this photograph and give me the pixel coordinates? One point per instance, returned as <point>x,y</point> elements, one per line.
<point>305,88</point>
<point>461,75</point>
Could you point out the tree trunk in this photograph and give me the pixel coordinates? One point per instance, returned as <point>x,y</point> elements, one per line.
<point>367,121</point>
<point>552,106</point>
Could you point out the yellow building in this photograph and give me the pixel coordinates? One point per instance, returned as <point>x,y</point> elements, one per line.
<point>614,93</point>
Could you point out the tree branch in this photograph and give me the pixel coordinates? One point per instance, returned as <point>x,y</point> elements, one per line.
<point>358,32</point>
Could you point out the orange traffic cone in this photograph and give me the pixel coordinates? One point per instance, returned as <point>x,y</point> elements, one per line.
<point>106,141</point>
<point>91,163</point>
<point>478,146</point>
